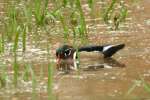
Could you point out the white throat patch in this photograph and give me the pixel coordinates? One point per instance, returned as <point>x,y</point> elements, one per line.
<point>74,55</point>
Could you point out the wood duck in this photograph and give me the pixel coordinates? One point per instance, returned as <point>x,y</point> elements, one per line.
<point>68,54</point>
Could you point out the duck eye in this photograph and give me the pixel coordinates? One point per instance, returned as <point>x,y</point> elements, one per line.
<point>67,52</point>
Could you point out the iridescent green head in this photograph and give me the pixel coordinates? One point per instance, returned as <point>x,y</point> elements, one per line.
<point>64,52</point>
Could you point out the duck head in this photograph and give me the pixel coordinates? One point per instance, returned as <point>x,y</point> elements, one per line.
<point>64,53</point>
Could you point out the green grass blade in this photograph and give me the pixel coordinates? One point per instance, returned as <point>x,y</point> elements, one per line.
<point>24,34</point>
<point>3,76</point>
<point>123,13</point>
<point>40,11</point>
<point>26,73</point>
<point>82,22</point>
<point>16,40</point>
<point>108,11</point>
<point>50,74</point>
<point>34,81</point>
<point>132,88</point>
<point>50,80</point>
<point>16,70</point>
<point>90,3</point>
<point>28,15</point>
<point>2,43</point>
<point>146,87</point>
<point>64,25</point>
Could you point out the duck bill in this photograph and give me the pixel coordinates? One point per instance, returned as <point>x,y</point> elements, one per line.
<point>58,60</point>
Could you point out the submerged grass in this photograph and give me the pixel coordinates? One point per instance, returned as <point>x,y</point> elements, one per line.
<point>139,83</point>
<point>90,3</point>
<point>3,77</point>
<point>50,74</point>
<point>2,44</point>
<point>93,8</point>
<point>34,83</point>
<point>64,25</point>
<point>108,11</point>
<point>82,27</point>
<point>113,16</point>
<point>27,10</point>
<point>24,36</point>
<point>11,23</point>
<point>14,27</point>
<point>121,16</point>
<point>16,70</point>
<point>26,73</point>
<point>2,82</point>
<point>29,73</point>
<point>76,23</point>
<point>123,12</point>
<point>15,47</point>
<point>50,81</point>
<point>40,11</point>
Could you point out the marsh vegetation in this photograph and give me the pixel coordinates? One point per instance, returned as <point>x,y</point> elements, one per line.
<point>31,30</point>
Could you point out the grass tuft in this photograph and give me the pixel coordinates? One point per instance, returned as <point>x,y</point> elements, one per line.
<point>115,14</point>
<point>82,28</point>
<point>108,11</point>
<point>16,70</point>
<point>139,83</point>
<point>50,74</point>
<point>40,11</point>
<point>2,44</point>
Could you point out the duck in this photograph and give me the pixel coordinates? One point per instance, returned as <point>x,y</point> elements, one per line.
<point>67,54</point>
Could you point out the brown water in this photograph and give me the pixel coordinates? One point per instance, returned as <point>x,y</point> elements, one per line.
<point>128,65</point>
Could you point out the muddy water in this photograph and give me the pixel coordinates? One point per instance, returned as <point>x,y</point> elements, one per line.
<point>98,79</point>
<point>127,65</point>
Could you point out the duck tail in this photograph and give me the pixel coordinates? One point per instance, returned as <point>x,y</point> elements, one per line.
<point>107,50</point>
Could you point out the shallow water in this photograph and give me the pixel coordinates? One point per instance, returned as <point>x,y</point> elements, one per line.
<point>97,79</point>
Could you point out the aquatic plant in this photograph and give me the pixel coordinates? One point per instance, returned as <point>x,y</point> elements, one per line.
<point>2,82</point>
<point>40,11</point>
<point>24,36</point>
<point>16,40</point>
<point>123,12</point>
<point>50,73</point>
<point>76,15</point>
<point>11,24</point>
<point>114,16</point>
<point>82,26</point>
<point>93,8</point>
<point>2,43</point>
<point>3,76</point>
<point>25,21</point>
<point>121,16</point>
<point>16,70</point>
<point>139,83</point>
<point>29,75</point>
<point>108,11</point>
<point>14,27</point>
<point>90,3</point>
<point>34,82</point>
<point>26,73</point>
<point>64,25</point>
<point>27,15</point>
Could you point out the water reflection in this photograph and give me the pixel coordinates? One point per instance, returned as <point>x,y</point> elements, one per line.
<point>107,63</point>
<point>67,65</point>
